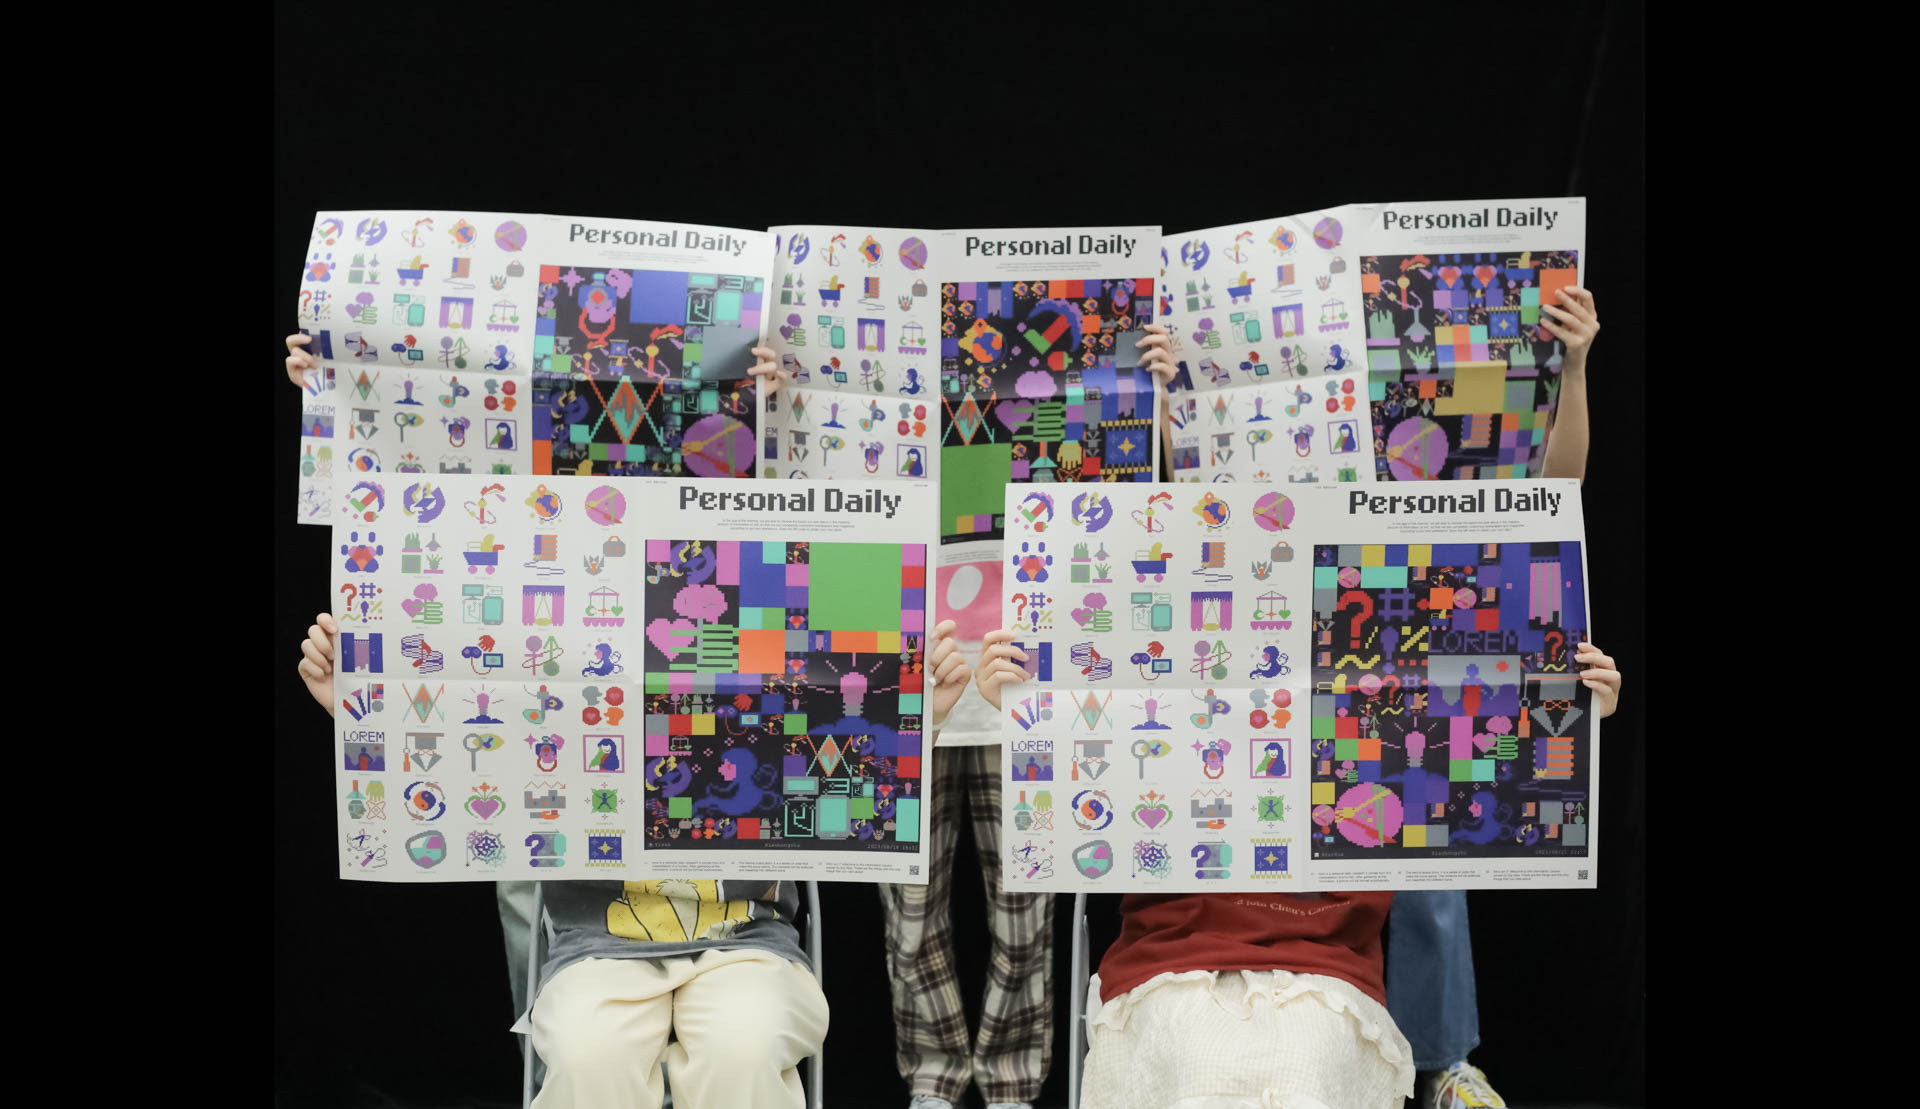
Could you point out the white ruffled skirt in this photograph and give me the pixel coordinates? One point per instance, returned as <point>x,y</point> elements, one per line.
<point>1246,1039</point>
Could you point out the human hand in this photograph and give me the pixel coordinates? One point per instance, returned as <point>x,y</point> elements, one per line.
<point>1159,359</point>
<point>316,662</point>
<point>1597,673</point>
<point>768,371</point>
<point>949,669</point>
<point>997,665</point>
<point>1574,322</point>
<point>298,360</point>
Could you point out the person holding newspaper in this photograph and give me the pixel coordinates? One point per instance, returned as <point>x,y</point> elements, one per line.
<point>627,970</point>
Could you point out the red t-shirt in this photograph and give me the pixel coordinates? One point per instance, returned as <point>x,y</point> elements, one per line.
<point>1336,934</point>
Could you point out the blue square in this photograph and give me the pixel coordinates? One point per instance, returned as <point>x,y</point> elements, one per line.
<point>657,297</point>
<point>763,584</point>
<point>1269,859</point>
<point>603,849</point>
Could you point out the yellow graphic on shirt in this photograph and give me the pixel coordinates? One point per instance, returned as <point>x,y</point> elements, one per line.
<point>675,910</point>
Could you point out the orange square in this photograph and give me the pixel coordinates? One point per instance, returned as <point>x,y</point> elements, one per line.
<point>1369,750</point>
<point>763,651</point>
<point>1429,388</point>
<point>1440,599</point>
<point>1369,282</point>
<point>856,642</point>
<point>1552,281</point>
<point>1067,290</point>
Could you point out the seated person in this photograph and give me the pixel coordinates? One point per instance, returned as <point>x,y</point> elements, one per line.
<point>716,963</point>
<point>1247,1000</point>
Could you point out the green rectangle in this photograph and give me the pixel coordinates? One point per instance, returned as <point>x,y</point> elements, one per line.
<point>796,723</point>
<point>1322,726</point>
<point>581,433</point>
<point>844,587</point>
<point>560,364</point>
<point>1381,577</point>
<point>1459,770</point>
<point>830,818</point>
<point>771,618</point>
<point>1344,749</point>
<point>656,682</point>
<point>861,808</point>
<point>973,480</point>
<point>679,807</point>
<point>690,354</point>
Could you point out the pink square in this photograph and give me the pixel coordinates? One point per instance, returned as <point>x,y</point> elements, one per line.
<point>1460,737</point>
<point>680,683</point>
<point>913,554</point>
<point>659,745</point>
<point>656,550</point>
<point>796,573</point>
<point>913,622</point>
<point>729,563</point>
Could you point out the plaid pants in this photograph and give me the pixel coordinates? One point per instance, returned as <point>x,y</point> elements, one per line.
<point>1011,1054</point>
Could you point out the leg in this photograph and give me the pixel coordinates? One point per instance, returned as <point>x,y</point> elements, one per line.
<point>602,1025</point>
<point>1430,989</point>
<point>515,900</point>
<point>1015,1045</point>
<point>1230,1045</point>
<point>744,1020</point>
<point>929,1020</point>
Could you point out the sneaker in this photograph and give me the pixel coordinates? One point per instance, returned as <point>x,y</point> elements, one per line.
<point>928,1101</point>
<point>1460,1086</point>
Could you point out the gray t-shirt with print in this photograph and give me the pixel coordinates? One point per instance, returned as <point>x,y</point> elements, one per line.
<point>667,917</point>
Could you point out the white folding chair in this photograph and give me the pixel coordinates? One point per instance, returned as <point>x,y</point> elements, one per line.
<point>537,954</point>
<point>1078,979</point>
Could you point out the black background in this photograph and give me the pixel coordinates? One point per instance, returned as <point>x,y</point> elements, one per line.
<point>946,117</point>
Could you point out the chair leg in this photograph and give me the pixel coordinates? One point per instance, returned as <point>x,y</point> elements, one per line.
<point>1077,991</point>
<point>816,1075</point>
<point>536,944</point>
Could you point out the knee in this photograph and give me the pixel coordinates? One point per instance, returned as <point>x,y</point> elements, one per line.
<point>754,1050</point>
<point>596,1052</point>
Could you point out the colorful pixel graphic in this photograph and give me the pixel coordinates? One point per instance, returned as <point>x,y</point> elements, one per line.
<point>1448,718</point>
<point>1039,383</point>
<point>1463,376</point>
<point>639,372</point>
<point>784,694</point>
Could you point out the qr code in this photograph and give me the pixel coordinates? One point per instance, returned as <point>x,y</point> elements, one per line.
<point>913,869</point>
<point>1582,875</point>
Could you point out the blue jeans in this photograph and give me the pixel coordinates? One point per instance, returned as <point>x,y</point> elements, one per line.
<point>1430,991</point>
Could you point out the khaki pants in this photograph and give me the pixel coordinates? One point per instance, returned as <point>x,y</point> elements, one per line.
<point>743,1018</point>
